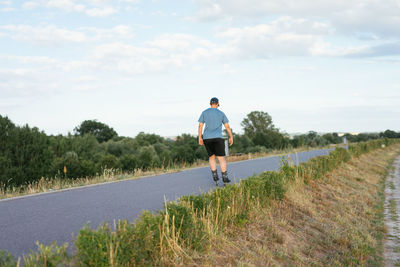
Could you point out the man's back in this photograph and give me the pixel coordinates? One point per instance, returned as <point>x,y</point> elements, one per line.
<point>213,119</point>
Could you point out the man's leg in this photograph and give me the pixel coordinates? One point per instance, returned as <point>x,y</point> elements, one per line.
<point>213,166</point>
<point>222,164</point>
<point>213,163</point>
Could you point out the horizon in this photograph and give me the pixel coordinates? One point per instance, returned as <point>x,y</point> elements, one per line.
<point>153,66</point>
<point>291,134</point>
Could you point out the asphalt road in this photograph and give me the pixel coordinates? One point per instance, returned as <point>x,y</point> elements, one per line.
<point>58,216</point>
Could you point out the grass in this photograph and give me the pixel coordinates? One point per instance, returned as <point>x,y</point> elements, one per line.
<point>391,186</point>
<point>393,211</point>
<point>335,221</point>
<point>113,175</point>
<point>321,213</point>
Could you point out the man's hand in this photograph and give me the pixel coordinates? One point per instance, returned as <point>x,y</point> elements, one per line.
<point>228,129</point>
<point>201,142</point>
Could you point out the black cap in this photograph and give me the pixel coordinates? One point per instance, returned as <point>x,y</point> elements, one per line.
<point>214,100</point>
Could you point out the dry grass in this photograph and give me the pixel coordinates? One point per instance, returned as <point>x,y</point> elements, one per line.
<point>112,175</point>
<point>330,222</point>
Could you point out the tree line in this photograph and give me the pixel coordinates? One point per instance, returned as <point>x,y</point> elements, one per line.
<point>28,154</point>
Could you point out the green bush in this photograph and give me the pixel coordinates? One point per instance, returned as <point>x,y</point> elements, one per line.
<point>273,184</point>
<point>148,158</point>
<point>108,161</point>
<point>129,163</point>
<point>50,256</point>
<point>190,232</point>
<point>92,246</point>
<point>7,260</point>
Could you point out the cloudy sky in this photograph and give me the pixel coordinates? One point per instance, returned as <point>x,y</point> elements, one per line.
<point>152,66</point>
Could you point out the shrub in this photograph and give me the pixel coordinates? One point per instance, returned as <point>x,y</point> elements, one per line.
<point>129,162</point>
<point>7,260</point>
<point>50,256</point>
<point>108,161</point>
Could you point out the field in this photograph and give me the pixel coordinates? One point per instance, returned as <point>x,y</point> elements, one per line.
<point>335,221</point>
<point>326,212</point>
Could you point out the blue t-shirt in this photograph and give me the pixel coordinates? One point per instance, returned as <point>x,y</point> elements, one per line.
<point>214,119</point>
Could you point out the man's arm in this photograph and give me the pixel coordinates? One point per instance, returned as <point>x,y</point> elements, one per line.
<point>201,133</point>
<point>228,129</point>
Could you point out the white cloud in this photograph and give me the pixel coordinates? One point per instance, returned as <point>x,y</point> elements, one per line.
<point>92,8</point>
<point>53,35</point>
<point>284,36</point>
<point>7,9</point>
<point>31,60</point>
<point>175,42</point>
<point>162,54</point>
<point>130,1</point>
<point>380,18</point>
<point>101,12</point>
<point>25,82</point>
<point>66,5</point>
<point>44,35</point>
<point>30,4</point>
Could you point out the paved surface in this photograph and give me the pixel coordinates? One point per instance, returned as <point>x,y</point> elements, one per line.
<point>392,220</point>
<point>58,216</point>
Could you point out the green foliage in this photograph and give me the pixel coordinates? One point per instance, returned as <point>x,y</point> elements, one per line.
<point>50,256</point>
<point>201,153</point>
<point>258,127</point>
<point>241,144</point>
<point>164,154</point>
<point>332,138</point>
<point>390,134</point>
<point>7,260</point>
<point>184,154</point>
<point>75,167</point>
<point>257,122</point>
<point>273,185</point>
<point>148,158</point>
<point>25,154</point>
<point>108,161</point>
<point>101,131</point>
<point>312,139</point>
<point>191,232</point>
<point>129,163</point>
<point>85,146</point>
<point>143,139</point>
<point>93,248</point>
<point>129,243</point>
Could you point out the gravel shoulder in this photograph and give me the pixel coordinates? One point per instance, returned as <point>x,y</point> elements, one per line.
<point>392,219</point>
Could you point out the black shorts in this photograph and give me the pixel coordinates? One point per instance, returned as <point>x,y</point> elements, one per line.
<point>215,146</point>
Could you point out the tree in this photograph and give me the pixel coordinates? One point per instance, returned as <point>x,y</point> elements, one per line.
<point>259,128</point>
<point>108,161</point>
<point>257,122</point>
<point>101,131</point>
<point>148,157</point>
<point>390,134</point>
<point>25,154</point>
<point>143,139</point>
<point>129,163</point>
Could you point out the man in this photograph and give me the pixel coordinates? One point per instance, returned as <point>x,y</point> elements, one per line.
<point>212,138</point>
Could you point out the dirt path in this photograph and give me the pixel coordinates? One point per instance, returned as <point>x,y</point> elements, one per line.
<point>392,219</point>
